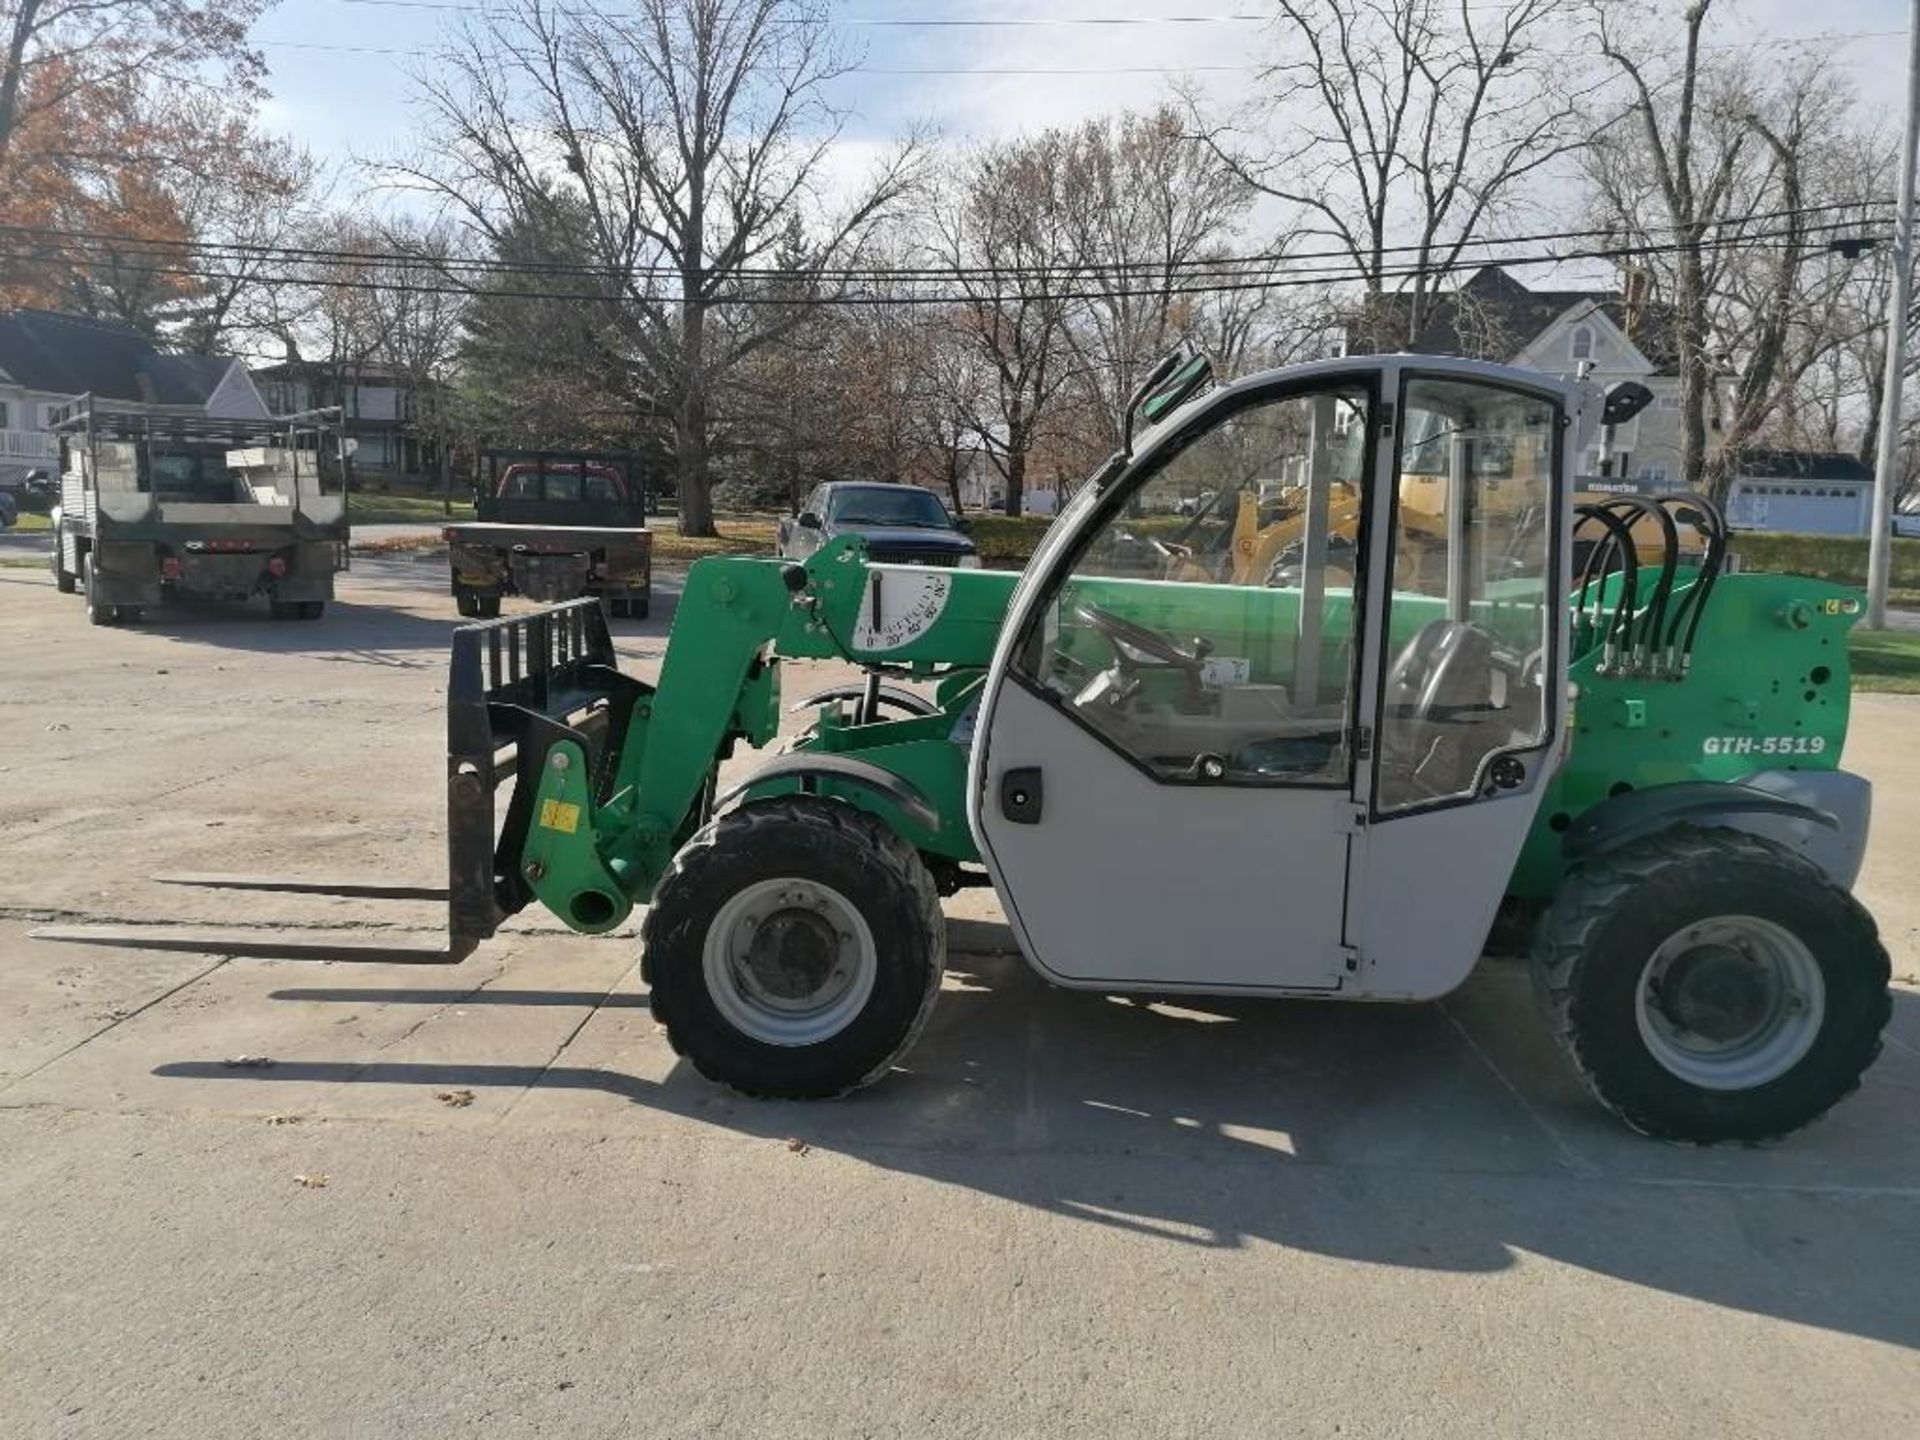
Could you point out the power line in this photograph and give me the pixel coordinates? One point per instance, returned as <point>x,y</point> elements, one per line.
<point>888,23</point>
<point>975,298</point>
<point>1836,37</point>
<point>241,251</point>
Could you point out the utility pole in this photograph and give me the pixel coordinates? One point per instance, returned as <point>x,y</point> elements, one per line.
<point>1880,541</point>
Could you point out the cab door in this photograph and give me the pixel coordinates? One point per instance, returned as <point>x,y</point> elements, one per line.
<point>1469,636</point>
<point>1163,777</point>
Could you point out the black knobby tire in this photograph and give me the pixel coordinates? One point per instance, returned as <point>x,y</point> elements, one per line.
<point>823,842</point>
<point>477,607</point>
<point>1612,915</point>
<point>64,580</point>
<point>284,609</point>
<point>97,613</point>
<point>312,609</point>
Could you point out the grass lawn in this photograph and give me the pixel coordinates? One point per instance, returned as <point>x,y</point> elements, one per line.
<point>1886,660</point>
<point>31,523</point>
<point>370,509</point>
<point>739,535</point>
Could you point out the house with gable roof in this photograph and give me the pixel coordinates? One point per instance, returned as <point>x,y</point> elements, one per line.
<point>1617,336</point>
<point>46,359</point>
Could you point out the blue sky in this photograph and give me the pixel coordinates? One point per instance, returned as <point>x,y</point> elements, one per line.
<point>343,102</point>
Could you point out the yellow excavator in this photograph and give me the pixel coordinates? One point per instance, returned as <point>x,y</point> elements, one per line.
<point>1265,544</point>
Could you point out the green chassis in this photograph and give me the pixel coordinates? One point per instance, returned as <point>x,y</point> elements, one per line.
<point>1767,690</point>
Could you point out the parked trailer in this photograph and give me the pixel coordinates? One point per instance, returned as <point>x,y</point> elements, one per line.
<point>160,500</point>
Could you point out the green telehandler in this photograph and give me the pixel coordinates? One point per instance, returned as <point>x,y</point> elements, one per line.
<point>1325,780</point>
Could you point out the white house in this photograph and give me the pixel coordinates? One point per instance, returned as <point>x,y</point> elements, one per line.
<point>1647,447</point>
<point>47,359</point>
<point>1615,336</point>
<point>394,417</point>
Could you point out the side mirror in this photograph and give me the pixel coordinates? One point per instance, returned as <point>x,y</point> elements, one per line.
<point>962,524</point>
<point>809,520</point>
<point>1624,401</point>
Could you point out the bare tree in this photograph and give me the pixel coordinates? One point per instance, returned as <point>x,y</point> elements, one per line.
<point>419,316</point>
<point>1002,229</point>
<point>1145,210</point>
<point>243,197</point>
<point>947,391</point>
<point>1710,178</point>
<point>1402,131</point>
<point>692,132</point>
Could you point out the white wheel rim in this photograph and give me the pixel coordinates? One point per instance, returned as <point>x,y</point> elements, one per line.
<point>1730,1003</point>
<point>789,962</point>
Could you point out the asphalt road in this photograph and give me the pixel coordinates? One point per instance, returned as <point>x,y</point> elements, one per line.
<point>486,1200</point>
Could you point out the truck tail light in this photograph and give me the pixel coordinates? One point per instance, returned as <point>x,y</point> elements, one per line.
<point>170,568</point>
<point>277,566</point>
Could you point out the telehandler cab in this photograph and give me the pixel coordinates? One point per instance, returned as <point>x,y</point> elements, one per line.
<point>1326,784</point>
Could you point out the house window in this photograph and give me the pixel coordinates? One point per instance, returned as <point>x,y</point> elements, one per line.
<point>6,419</point>
<point>49,416</point>
<point>1654,474</point>
<point>1582,342</point>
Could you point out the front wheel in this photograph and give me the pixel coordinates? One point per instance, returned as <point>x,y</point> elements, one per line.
<point>794,948</point>
<point>1710,986</point>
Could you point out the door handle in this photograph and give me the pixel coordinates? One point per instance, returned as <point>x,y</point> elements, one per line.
<point>1021,795</point>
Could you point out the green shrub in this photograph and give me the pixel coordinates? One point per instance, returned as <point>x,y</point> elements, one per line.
<point>1006,542</point>
<point>1839,558</point>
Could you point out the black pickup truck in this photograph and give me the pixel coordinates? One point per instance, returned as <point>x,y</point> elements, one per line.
<point>554,527</point>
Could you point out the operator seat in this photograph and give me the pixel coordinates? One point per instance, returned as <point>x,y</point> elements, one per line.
<point>1440,720</point>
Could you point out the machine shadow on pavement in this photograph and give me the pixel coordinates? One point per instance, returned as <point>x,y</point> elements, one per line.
<point>1386,1135</point>
<point>370,630</point>
<point>350,630</point>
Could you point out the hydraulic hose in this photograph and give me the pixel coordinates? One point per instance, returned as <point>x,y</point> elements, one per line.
<point>1619,542</point>
<point>1694,603</point>
<point>1647,641</point>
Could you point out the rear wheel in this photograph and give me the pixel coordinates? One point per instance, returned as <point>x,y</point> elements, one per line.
<point>1711,986</point>
<point>285,609</point>
<point>64,580</point>
<point>477,607</point>
<point>312,609</point>
<point>98,612</point>
<point>794,948</point>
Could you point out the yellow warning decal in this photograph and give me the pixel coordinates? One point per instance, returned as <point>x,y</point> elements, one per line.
<point>559,815</point>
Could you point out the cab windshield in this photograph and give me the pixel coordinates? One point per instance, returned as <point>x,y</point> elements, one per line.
<point>904,505</point>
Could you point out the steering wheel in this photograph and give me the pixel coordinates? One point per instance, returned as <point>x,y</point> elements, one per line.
<point>1133,643</point>
<point>1438,668</point>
